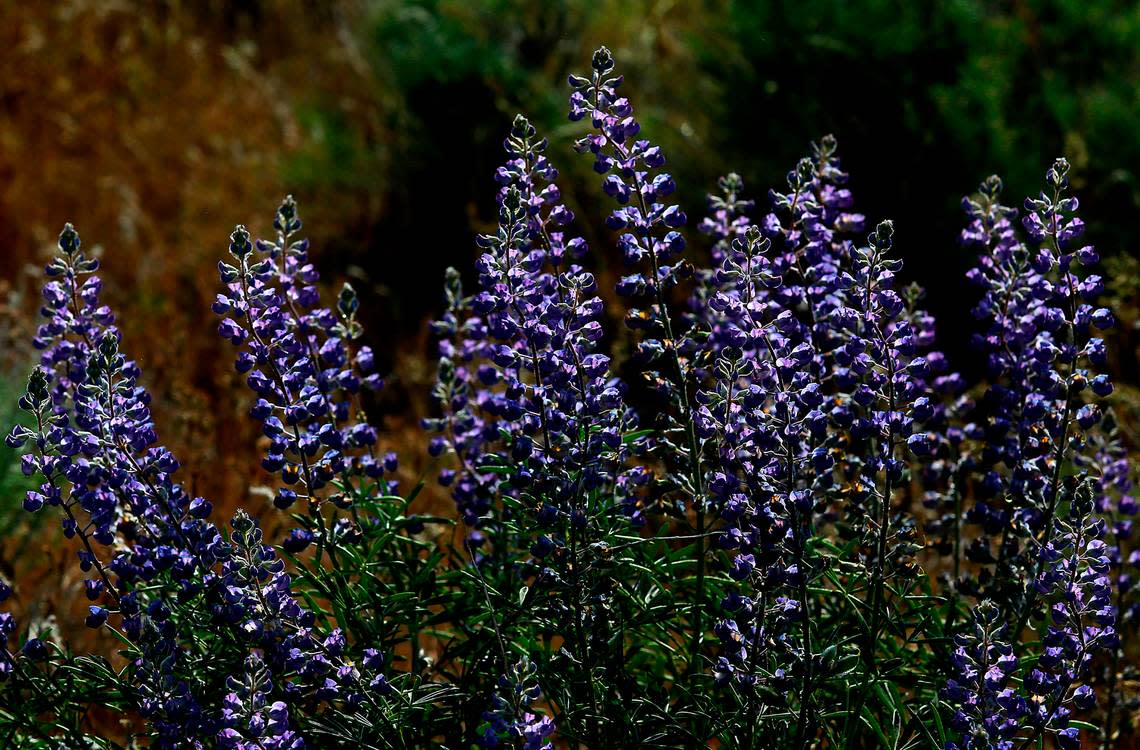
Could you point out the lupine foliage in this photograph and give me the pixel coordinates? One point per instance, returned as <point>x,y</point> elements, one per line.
<point>784,522</point>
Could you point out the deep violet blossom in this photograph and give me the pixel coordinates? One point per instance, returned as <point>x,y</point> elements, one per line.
<point>520,377</point>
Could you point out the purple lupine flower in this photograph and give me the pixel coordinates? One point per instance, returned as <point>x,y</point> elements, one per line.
<point>464,372</point>
<point>520,378</point>
<point>1037,306</point>
<point>250,721</point>
<point>1107,460</point>
<point>989,711</point>
<point>94,442</point>
<point>816,351</point>
<point>887,377</point>
<point>307,367</point>
<point>650,238</point>
<point>878,366</point>
<point>1074,579</point>
<point>532,412</point>
<point>1041,417</point>
<point>729,216</point>
<point>814,235</point>
<point>1013,309</point>
<point>727,221</point>
<point>650,241</point>
<point>144,541</point>
<point>512,721</point>
<point>254,593</point>
<point>764,404</point>
<point>149,548</point>
<point>769,302</point>
<point>761,407</point>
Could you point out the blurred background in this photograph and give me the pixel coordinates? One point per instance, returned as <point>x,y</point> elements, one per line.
<point>156,125</point>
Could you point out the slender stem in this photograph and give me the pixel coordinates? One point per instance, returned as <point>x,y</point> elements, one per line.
<point>583,654</point>
<point>884,509</point>
<point>1110,710</point>
<point>1077,627</point>
<point>696,476</point>
<point>952,596</point>
<point>754,700</point>
<point>1060,446</point>
<point>490,608</point>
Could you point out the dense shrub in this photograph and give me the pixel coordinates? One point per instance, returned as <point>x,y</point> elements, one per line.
<point>785,521</point>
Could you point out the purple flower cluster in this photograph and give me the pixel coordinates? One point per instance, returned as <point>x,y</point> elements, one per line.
<point>256,596</point>
<point>803,317</point>
<point>511,720</point>
<point>308,369</point>
<point>520,378</point>
<point>145,544</point>
<point>761,408</point>
<point>798,344</point>
<point>890,409</point>
<point>249,720</point>
<point>1037,308</point>
<point>991,710</point>
<point>1107,461</point>
<point>149,549</point>
<point>648,224</point>
<point>727,221</point>
<point>813,232</point>
<point>650,240</point>
<point>1042,418</point>
<point>94,445</point>
<point>1074,579</point>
